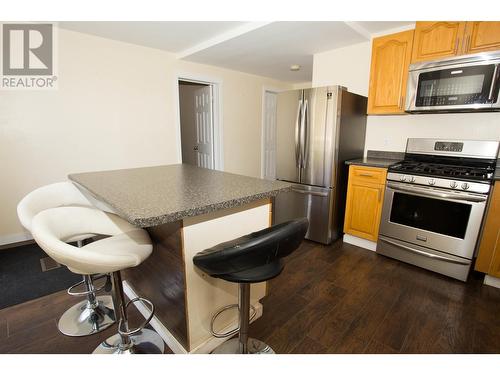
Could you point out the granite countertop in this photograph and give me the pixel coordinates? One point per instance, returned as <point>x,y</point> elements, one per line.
<point>156,195</point>
<point>381,159</point>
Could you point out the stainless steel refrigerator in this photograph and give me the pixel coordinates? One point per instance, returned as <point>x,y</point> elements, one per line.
<point>318,129</point>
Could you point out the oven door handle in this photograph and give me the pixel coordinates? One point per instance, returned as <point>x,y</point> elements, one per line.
<point>425,254</point>
<point>437,194</point>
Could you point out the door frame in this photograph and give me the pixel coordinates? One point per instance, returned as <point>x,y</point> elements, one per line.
<point>216,84</point>
<point>276,91</point>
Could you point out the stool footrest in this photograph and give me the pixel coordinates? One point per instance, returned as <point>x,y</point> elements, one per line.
<point>131,332</point>
<point>86,292</point>
<point>220,335</point>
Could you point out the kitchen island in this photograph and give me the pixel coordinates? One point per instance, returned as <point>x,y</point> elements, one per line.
<point>185,209</point>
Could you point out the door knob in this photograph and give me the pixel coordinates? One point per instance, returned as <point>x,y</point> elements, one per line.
<point>195,148</point>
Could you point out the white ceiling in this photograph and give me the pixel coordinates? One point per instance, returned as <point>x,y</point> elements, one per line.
<point>262,48</point>
<point>173,36</point>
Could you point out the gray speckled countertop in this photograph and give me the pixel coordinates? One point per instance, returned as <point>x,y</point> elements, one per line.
<point>156,195</point>
<point>381,159</point>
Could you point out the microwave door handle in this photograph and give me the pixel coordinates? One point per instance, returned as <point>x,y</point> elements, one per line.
<point>437,194</point>
<point>425,254</point>
<point>493,82</point>
<point>298,122</point>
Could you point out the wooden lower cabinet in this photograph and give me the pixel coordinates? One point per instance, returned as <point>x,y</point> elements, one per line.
<point>488,259</point>
<point>364,201</point>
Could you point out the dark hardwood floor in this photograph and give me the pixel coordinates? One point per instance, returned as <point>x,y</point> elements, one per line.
<point>335,299</point>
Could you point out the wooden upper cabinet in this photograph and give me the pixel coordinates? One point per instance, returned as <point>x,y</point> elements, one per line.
<point>389,71</point>
<point>435,40</point>
<point>481,36</point>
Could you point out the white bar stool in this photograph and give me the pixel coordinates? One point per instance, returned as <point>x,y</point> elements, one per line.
<point>94,314</point>
<point>125,246</point>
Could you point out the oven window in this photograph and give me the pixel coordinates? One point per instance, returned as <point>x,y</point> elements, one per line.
<point>434,215</point>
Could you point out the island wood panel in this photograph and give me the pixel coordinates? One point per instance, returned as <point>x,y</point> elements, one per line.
<point>161,279</point>
<point>206,294</point>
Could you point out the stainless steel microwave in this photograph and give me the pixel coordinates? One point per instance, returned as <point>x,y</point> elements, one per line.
<point>466,83</point>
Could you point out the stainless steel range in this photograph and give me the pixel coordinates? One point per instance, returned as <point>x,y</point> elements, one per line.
<point>434,203</point>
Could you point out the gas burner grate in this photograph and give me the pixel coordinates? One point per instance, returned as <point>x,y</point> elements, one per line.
<point>431,169</point>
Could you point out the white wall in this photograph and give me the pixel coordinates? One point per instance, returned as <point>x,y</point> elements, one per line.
<point>350,67</point>
<point>115,108</point>
<point>347,66</point>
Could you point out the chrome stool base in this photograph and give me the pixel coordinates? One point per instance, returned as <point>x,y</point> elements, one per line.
<point>232,346</point>
<point>146,341</point>
<point>83,320</point>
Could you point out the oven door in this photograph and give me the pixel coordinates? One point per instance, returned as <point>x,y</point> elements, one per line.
<point>442,220</point>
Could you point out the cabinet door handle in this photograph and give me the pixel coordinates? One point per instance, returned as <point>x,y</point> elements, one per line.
<point>401,102</point>
<point>457,41</point>
<point>366,174</point>
<point>379,195</point>
<point>466,47</point>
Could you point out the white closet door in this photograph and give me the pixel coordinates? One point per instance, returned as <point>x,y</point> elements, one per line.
<point>269,141</point>
<point>204,127</point>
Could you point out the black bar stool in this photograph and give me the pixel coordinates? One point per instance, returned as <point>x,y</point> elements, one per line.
<point>253,258</point>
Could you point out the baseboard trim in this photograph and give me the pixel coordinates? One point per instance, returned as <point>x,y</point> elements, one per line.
<point>360,242</point>
<point>12,240</point>
<point>174,345</point>
<point>492,281</point>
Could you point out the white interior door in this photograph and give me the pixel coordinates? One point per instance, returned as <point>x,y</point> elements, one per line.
<point>204,127</point>
<point>269,139</point>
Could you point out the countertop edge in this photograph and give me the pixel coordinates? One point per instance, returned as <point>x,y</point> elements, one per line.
<point>179,215</point>
<point>372,162</point>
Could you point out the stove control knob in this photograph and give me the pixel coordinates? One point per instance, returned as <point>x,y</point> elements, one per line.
<point>465,186</point>
<point>453,184</point>
<point>412,179</point>
<point>432,181</point>
<point>402,178</point>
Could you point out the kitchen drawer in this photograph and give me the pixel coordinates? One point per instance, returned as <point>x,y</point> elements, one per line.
<point>360,174</point>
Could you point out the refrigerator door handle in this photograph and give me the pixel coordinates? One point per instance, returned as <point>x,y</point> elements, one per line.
<point>309,192</point>
<point>298,123</point>
<point>303,134</point>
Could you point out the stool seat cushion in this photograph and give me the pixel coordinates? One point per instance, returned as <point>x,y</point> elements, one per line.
<point>254,257</point>
<point>257,274</point>
<point>125,245</point>
<point>59,194</point>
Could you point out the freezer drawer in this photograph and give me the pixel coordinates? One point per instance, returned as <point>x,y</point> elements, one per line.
<point>307,201</point>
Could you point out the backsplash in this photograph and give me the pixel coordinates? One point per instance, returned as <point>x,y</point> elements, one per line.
<point>389,133</point>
